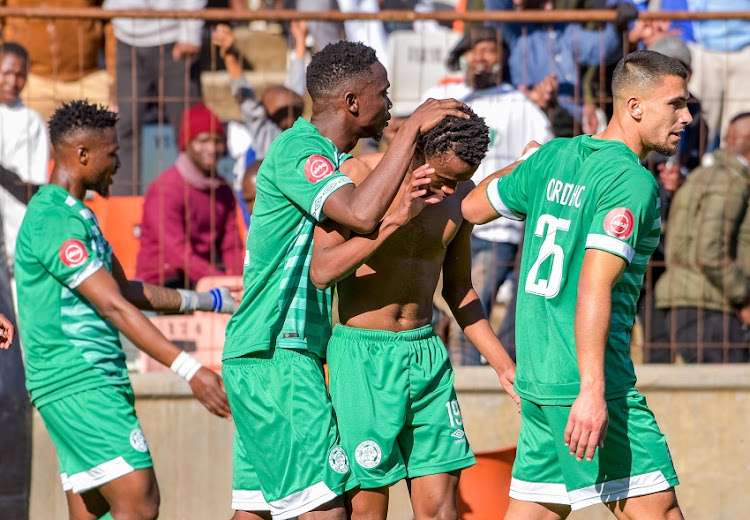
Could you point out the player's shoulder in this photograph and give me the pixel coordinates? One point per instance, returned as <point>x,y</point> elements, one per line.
<point>358,168</point>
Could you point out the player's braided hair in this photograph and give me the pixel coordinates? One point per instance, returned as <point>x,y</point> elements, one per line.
<point>335,65</point>
<point>79,115</point>
<point>468,138</point>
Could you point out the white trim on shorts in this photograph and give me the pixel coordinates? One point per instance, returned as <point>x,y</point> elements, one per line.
<point>96,476</point>
<point>539,492</point>
<point>602,493</point>
<point>302,501</point>
<point>619,489</point>
<point>244,500</point>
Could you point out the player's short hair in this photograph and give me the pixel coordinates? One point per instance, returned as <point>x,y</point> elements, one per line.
<point>467,138</point>
<point>79,115</point>
<point>644,69</point>
<point>336,65</point>
<point>16,49</point>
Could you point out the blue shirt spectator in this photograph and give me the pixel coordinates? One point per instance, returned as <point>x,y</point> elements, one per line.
<point>721,35</point>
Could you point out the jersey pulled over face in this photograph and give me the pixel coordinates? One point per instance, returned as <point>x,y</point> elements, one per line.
<point>69,347</point>
<point>576,194</point>
<point>281,308</point>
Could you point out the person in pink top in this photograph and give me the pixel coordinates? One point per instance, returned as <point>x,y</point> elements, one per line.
<point>189,227</point>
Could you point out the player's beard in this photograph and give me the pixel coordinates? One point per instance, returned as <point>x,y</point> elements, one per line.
<point>664,149</point>
<point>103,189</point>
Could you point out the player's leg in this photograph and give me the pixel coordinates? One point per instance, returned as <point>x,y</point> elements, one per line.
<point>433,497</point>
<point>368,504</point>
<point>523,510</point>
<point>134,496</point>
<point>89,505</point>
<point>281,408</point>
<point>656,506</point>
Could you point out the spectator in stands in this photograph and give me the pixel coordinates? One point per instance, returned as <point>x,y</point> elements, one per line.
<point>538,51</point>
<point>66,55</point>
<point>721,59</point>
<point>705,289</point>
<point>24,145</point>
<point>280,106</point>
<point>159,59</point>
<point>189,227</point>
<point>514,121</point>
<point>322,32</point>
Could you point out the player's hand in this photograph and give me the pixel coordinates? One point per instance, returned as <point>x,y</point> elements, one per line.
<point>208,388</point>
<point>223,37</point>
<point>506,381</point>
<point>416,196</point>
<point>587,425</point>
<point>670,175</point>
<point>432,111</point>
<point>298,30</point>
<point>6,332</point>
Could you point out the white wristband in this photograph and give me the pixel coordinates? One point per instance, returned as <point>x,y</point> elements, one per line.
<point>188,300</point>
<point>528,154</point>
<point>185,366</point>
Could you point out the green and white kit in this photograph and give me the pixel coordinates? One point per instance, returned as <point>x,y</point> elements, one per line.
<point>579,194</point>
<point>277,338</point>
<point>75,366</point>
<point>396,406</point>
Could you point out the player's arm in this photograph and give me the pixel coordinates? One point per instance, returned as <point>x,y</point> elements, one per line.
<point>149,297</point>
<point>361,208</point>
<point>588,420</point>
<point>336,254</point>
<point>6,332</point>
<point>102,291</point>
<point>466,307</point>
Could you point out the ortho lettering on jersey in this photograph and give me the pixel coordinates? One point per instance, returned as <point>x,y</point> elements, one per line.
<point>619,223</point>
<point>564,193</point>
<point>318,168</point>
<point>73,253</point>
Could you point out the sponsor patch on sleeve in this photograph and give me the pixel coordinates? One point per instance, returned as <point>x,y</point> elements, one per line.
<point>73,253</point>
<point>318,168</point>
<point>619,223</point>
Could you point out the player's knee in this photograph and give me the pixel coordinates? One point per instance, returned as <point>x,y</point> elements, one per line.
<point>145,509</point>
<point>441,510</point>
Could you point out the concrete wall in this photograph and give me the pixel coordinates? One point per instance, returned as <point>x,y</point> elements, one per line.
<point>703,410</point>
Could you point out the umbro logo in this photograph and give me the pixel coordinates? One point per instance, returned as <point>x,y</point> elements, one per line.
<point>459,436</point>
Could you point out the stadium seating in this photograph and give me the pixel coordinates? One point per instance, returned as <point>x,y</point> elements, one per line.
<point>120,219</point>
<point>483,488</point>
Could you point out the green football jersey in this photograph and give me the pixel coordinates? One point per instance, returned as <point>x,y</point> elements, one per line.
<point>281,308</point>
<point>68,346</point>
<point>576,194</point>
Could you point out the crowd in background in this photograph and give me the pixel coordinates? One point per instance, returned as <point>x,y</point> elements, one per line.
<point>529,81</point>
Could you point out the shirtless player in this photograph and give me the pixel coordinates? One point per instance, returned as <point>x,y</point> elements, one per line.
<point>391,380</point>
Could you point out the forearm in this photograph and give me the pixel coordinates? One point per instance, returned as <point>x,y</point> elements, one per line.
<point>233,65</point>
<point>476,207</point>
<point>332,264</point>
<point>592,318</point>
<point>148,297</point>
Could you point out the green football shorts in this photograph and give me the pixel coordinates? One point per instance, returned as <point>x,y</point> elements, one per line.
<point>287,454</point>
<point>395,403</point>
<point>635,459</point>
<point>97,436</point>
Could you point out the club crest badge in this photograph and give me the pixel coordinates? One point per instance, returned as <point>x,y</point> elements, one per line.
<point>368,454</point>
<point>138,440</point>
<point>73,253</point>
<point>318,168</point>
<point>338,460</point>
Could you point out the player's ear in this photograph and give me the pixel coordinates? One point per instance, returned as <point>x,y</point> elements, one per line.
<point>634,107</point>
<point>352,103</point>
<point>83,154</point>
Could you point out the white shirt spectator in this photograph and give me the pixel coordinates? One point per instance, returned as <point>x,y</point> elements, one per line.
<point>153,32</point>
<point>513,121</point>
<point>24,150</point>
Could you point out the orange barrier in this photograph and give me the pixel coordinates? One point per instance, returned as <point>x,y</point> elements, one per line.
<point>200,334</point>
<point>120,219</point>
<point>483,488</point>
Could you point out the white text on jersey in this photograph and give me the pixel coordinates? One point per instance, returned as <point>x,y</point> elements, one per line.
<point>564,193</point>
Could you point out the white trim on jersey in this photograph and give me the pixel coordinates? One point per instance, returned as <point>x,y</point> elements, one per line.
<point>78,278</point>
<point>620,489</point>
<point>316,208</point>
<point>540,492</point>
<point>301,502</point>
<point>244,500</point>
<point>497,203</point>
<point>610,244</point>
<point>96,476</point>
